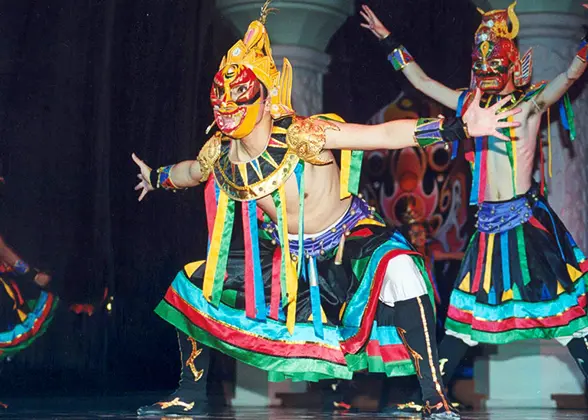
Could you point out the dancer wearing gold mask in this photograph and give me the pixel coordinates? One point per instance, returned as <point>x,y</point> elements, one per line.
<point>321,288</point>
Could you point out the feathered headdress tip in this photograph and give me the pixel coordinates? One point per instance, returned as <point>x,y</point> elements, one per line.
<point>266,11</point>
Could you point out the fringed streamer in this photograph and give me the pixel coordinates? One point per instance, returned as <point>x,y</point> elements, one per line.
<point>288,276</point>
<point>567,115</point>
<point>299,172</point>
<point>541,168</point>
<point>459,111</point>
<point>211,202</point>
<point>479,263</point>
<point>483,168</point>
<point>218,254</point>
<point>513,162</point>
<point>460,102</point>
<point>523,255</point>
<point>350,172</point>
<point>511,152</point>
<point>475,192</point>
<point>488,270</point>
<point>276,284</point>
<point>315,298</point>
<point>554,226</point>
<point>505,261</point>
<point>549,155</point>
<point>492,296</point>
<point>254,291</point>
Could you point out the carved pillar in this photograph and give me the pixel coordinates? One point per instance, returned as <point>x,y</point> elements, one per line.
<point>300,31</point>
<point>527,374</point>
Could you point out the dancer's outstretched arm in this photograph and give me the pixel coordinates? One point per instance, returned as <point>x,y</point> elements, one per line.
<point>560,85</point>
<point>477,122</point>
<point>413,72</point>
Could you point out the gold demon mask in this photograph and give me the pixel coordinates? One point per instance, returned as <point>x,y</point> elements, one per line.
<point>496,58</point>
<point>247,78</point>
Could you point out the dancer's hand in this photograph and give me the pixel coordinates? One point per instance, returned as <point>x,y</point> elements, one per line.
<point>486,121</point>
<point>42,279</point>
<point>373,23</point>
<point>145,184</point>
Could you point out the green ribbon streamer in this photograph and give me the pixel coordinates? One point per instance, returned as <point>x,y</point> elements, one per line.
<point>223,255</point>
<point>570,116</point>
<point>284,287</point>
<point>355,171</point>
<point>523,255</point>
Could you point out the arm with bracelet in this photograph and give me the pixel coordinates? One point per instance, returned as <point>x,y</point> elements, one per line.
<point>424,132</point>
<point>19,267</point>
<point>556,88</point>
<point>182,175</point>
<point>403,61</point>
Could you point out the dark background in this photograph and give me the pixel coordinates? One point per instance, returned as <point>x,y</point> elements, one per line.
<point>83,84</point>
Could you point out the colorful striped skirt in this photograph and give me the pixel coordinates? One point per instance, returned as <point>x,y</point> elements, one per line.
<point>26,312</point>
<point>355,334</point>
<point>522,277</point>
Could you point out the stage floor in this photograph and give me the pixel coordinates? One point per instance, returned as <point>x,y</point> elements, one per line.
<point>123,407</point>
<point>285,414</point>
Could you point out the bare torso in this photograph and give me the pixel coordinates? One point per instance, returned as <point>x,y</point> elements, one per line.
<point>499,186</point>
<point>322,205</point>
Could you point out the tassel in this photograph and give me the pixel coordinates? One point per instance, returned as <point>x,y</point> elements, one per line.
<point>276,286</point>
<point>567,115</point>
<point>218,254</point>
<point>288,275</point>
<point>299,172</point>
<point>541,168</point>
<point>254,291</point>
<point>549,155</point>
<point>315,298</point>
<point>351,162</point>
<point>504,253</point>
<point>460,102</point>
<point>211,192</point>
<point>523,255</point>
<point>489,259</point>
<point>513,147</point>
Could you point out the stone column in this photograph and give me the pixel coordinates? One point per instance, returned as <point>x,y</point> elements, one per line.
<point>300,31</point>
<point>527,374</point>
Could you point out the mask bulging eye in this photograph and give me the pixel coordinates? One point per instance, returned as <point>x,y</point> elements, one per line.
<point>219,91</point>
<point>495,63</point>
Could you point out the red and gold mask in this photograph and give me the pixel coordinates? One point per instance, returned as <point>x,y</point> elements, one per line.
<point>237,99</point>
<point>495,59</point>
<point>492,64</point>
<point>247,79</point>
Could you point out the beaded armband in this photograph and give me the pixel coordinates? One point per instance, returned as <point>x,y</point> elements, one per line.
<point>21,267</point>
<point>400,58</point>
<point>396,53</point>
<point>164,179</point>
<point>430,131</point>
